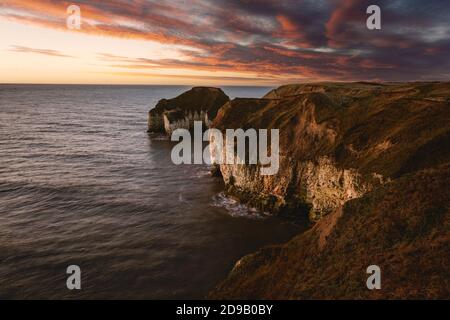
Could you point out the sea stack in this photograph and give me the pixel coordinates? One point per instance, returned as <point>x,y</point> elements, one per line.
<point>197,104</point>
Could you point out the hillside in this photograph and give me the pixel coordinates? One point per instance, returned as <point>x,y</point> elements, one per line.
<point>368,166</point>
<point>403,228</point>
<point>338,141</point>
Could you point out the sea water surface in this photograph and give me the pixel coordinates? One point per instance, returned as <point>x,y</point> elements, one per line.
<point>81,183</point>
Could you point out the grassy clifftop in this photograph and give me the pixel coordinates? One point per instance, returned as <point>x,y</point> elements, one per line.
<point>390,129</point>
<point>195,100</point>
<point>398,132</point>
<point>197,104</point>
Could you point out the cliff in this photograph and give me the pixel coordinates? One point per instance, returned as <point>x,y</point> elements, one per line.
<point>197,104</point>
<point>364,165</point>
<point>367,163</point>
<point>337,142</point>
<point>402,227</point>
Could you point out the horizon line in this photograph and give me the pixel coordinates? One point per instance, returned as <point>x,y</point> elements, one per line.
<point>132,84</point>
<point>215,86</point>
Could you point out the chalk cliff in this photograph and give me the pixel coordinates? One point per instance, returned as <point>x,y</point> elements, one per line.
<point>197,104</point>
<point>402,227</point>
<point>370,163</point>
<point>365,166</point>
<point>337,142</point>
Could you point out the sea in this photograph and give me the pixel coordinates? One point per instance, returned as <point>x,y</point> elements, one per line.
<point>82,183</point>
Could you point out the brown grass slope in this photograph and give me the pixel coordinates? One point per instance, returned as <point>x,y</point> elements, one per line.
<point>390,129</point>
<point>398,130</point>
<point>402,227</point>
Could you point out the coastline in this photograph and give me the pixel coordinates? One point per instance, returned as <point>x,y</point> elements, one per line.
<point>340,167</point>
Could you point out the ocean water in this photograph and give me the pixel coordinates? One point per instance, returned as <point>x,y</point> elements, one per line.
<point>82,183</point>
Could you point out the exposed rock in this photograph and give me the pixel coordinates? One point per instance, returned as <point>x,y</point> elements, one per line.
<point>402,227</point>
<point>337,141</point>
<point>371,164</point>
<point>197,104</point>
<point>299,189</point>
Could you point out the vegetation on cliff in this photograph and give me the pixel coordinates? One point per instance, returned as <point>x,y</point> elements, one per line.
<point>197,104</point>
<point>339,141</point>
<point>365,165</point>
<point>402,227</point>
<point>370,163</point>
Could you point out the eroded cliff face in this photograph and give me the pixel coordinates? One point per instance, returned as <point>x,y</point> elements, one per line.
<point>369,164</point>
<point>184,120</point>
<point>300,189</point>
<point>365,165</point>
<point>197,104</point>
<point>402,227</point>
<point>337,142</point>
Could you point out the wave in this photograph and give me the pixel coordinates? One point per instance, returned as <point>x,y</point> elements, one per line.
<point>237,209</point>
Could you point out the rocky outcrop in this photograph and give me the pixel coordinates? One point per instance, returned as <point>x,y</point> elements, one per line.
<point>402,227</point>
<point>370,163</point>
<point>337,142</point>
<point>309,189</point>
<point>197,104</point>
<point>365,165</point>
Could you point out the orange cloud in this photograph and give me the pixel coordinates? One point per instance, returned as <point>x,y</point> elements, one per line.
<point>289,40</point>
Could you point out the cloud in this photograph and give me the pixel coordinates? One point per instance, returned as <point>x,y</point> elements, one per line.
<point>46,52</point>
<point>291,39</point>
<point>189,77</point>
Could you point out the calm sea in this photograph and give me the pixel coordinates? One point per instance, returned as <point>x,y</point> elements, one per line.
<point>82,183</point>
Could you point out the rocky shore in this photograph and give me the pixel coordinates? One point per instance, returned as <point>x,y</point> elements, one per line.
<point>365,165</point>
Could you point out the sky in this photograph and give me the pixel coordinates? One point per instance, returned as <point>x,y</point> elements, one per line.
<point>218,42</point>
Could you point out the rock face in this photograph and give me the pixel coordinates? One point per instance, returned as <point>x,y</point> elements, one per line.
<point>402,227</point>
<point>370,163</point>
<point>197,104</point>
<point>337,141</point>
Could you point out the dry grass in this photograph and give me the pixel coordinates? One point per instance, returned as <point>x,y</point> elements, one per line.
<point>403,228</point>
<point>398,130</point>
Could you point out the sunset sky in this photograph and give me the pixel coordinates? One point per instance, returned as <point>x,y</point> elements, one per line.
<point>213,42</point>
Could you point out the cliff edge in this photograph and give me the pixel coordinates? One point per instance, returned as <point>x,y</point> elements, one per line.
<point>338,141</point>
<point>367,165</point>
<point>197,104</point>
